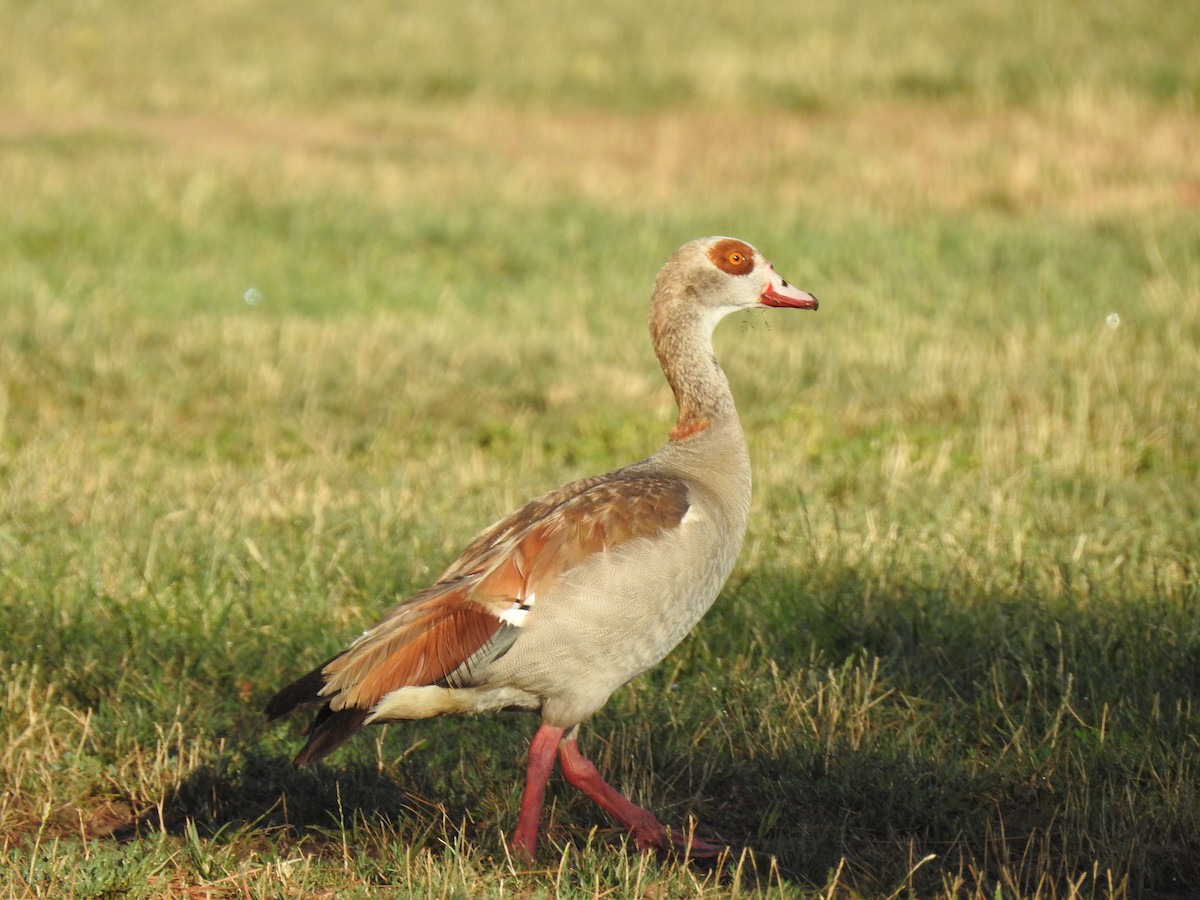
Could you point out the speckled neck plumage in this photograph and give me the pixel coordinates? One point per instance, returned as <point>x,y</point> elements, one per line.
<point>682,336</point>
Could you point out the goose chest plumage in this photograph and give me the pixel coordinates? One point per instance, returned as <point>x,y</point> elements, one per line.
<point>558,604</point>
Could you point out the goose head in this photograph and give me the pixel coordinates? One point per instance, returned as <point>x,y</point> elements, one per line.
<point>724,275</point>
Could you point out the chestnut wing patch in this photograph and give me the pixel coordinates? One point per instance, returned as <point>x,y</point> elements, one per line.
<point>433,635</point>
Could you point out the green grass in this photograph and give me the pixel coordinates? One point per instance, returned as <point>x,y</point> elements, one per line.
<point>961,651</point>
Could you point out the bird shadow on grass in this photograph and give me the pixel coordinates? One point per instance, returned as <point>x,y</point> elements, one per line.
<point>411,781</point>
<point>251,789</point>
<point>428,800</point>
<point>354,811</point>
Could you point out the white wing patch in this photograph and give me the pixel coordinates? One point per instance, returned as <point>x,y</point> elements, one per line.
<point>518,612</point>
<point>693,514</point>
<point>515,616</point>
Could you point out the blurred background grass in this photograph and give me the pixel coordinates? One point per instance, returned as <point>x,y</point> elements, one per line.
<point>298,297</point>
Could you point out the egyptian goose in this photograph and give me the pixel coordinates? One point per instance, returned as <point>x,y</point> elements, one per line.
<point>560,603</point>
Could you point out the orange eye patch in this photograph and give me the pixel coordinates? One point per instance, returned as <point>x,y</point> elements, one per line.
<point>732,256</point>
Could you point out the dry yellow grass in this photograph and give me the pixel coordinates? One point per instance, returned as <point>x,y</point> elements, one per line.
<point>1084,157</point>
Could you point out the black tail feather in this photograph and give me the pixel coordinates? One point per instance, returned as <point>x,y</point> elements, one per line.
<point>329,731</point>
<point>298,693</point>
<point>306,689</point>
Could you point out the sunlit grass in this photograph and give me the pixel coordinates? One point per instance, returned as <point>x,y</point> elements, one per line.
<point>296,300</point>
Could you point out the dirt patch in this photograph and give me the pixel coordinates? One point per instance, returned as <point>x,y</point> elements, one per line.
<point>1084,157</point>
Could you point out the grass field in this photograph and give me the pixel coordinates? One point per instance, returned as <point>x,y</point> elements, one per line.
<point>295,298</point>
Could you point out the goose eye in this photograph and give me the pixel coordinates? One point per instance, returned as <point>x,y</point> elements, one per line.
<point>732,256</point>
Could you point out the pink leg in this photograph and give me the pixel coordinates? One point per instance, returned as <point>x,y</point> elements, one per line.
<point>537,773</point>
<point>648,832</point>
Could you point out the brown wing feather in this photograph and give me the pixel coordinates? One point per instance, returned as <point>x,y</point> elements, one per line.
<point>481,551</point>
<point>592,515</point>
